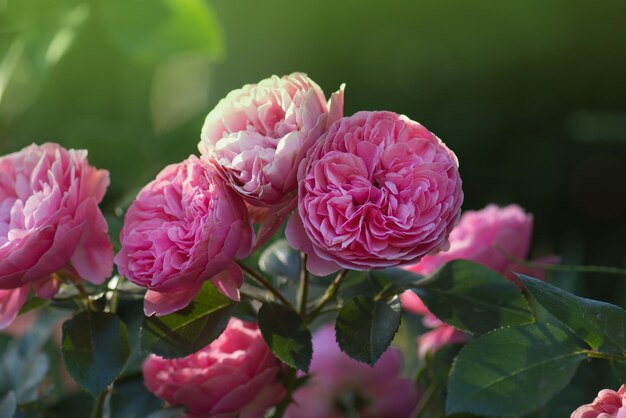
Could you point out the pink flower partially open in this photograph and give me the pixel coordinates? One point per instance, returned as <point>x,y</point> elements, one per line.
<point>608,404</point>
<point>377,190</point>
<point>340,386</point>
<point>49,220</point>
<point>257,135</point>
<point>235,376</point>
<point>184,228</point>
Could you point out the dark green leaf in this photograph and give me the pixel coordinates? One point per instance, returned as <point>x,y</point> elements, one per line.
<point>95,349</point>
<point>131,399</point>
<point>619,370</point>
<point>280,260</point>
<point>379,284</point>
<point>33,304</point>
<point>473,298</point>
<point>365,327</point>
<point>600,324</point>
<point>151,30</point>
<point>513,370</point>
<point>186,331</point>
<point>286,334</point>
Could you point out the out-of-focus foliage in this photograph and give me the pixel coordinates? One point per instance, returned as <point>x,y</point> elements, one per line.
<point>122,78</point>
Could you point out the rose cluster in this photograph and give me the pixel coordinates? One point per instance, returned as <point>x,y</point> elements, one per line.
<point>367,191</point>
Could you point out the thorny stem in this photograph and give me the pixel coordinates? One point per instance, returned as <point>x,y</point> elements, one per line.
<point>259,278</point>
<point>303,291</point>
<point>289,385</point>
<point>329,295</point>
<point>424,401</point>
<point>605,356</point>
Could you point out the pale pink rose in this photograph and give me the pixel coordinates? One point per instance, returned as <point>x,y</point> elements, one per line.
<point>486,237</point>
<point>234,376</point>
<point>49,220</point>
<point>608,404</point>
<point>378,190</point>
<point>257,136</point>
<point>185,228</point>
<point>340,386</point>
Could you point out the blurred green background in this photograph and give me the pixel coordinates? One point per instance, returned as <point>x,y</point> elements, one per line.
<point>531,95</point>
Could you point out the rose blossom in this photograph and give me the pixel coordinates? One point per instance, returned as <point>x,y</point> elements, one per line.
<point>377,190</point>
<point>340,386</point>
<point>486,236</point>
<point>234,376</point>
<point>184,228</point>
<point>608,404</point>
<point>49,220</point>
<point>257,135</point>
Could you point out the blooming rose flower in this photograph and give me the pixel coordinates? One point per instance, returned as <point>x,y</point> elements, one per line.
<point>340,386</point>
<point>49,220</point>
<point>486,236</point>
<point>608,404</point>
<point>257,135</point>
<point>378,190</point>
<point>234,376</point>
<point>184,228</point>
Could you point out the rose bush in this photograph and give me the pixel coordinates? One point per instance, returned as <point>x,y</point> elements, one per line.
<point>377,190</point>
<point>49,221</point>
<point>185,227</point>
<point>235,376</point>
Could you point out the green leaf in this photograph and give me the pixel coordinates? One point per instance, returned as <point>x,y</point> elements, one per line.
<point>619,370</point>
<point>186,331</point>
<point>379,284</point>
<point>32,304</point>
<point>473,298</point>
<point>512,371</point>
<point>280,260</point>
<point>95,349</point>
<point>286,334</point>
<point>132,399</point>
<point>151,30</point>
<point>600,324</point>
<point>365,327</point>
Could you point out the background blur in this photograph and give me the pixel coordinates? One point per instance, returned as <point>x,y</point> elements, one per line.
<point>531,95</point>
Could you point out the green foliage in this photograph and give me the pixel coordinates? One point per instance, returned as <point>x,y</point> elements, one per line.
<point>286,334</point>
<point>512,371</point>
<point>152,30</point>
<point>131,399</point>
<point>600,324</point>
<point>473,298</point>
<point>186,331</point>
<point>95,349</point>
<point>365,327</point>
<point>379,284</point>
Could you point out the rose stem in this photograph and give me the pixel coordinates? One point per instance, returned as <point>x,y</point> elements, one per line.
<point>329,295</point>
<point>303,291</point>
<point>256,276</point>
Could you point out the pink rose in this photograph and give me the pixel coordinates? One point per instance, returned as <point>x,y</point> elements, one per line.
<point>257,135</point>
<point>49,220</point>
<point>184,228</point>
<point>378,190</point>
<point>608,404</point>
<point>486,237</point>
<point>235,376</point>
<point>340,386</point>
